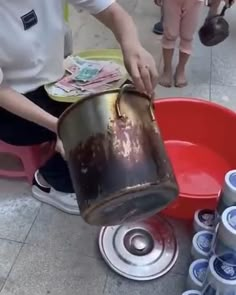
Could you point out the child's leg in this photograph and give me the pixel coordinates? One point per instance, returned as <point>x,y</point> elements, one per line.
<point>188,27</point>
<point>166,76</point>
<point>180,76</point>
<point>172,13</point>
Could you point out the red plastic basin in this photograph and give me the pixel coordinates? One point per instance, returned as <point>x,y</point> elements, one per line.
<point>200,138</point>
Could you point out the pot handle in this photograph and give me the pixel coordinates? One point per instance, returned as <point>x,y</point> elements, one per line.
<point>131,88</point>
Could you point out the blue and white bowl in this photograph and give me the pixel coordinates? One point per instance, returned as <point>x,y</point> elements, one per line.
<point>225,241</point>
<point>227,196</point>
<point>202,244</point>
<point>221,276</point>
<point>192,292</point>
<point>197,274</point>
<point>204,220</point>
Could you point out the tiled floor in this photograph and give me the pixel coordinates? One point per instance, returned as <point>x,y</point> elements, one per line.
<point>43,251</point>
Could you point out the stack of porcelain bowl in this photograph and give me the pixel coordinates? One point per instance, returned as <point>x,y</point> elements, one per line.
<point>213,270</point>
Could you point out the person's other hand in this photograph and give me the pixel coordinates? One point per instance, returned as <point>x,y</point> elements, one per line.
<point>59,148</point>
<point>141,67</point>
<point>158,2</point>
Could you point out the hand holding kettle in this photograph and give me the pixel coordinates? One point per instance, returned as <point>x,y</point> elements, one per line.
<point>229,3</point>
<point>215,29</point>
<point>158,2</point>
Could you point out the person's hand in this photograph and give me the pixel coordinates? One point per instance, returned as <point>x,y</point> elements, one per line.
<point>229,2</point>
<point>158,2</point>
<point>141,67</point>
<point>59,148</point>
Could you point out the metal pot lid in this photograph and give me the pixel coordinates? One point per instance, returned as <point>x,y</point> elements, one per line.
<point>140,251</point>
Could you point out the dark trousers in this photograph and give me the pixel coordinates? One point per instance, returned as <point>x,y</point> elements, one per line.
<point>17,131</point>
<point>162,14</point>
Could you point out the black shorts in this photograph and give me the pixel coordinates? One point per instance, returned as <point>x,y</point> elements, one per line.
<point>17,131</point>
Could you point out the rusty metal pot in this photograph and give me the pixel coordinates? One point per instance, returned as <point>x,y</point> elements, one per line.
<point>117,160</point>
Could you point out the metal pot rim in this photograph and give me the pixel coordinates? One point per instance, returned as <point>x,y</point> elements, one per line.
<point>90,96</point>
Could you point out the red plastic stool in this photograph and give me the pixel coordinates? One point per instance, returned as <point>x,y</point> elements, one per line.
<point>32,157</point>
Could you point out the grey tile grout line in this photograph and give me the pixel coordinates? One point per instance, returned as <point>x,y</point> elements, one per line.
<point>98,259</point>
<point>22,245</point>
<point>33,222</point>
<point>13,241</point>
<point>136,4</point>
<point>105,283</point>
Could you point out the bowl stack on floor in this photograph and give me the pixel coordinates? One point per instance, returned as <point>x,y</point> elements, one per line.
<point>213,270</point>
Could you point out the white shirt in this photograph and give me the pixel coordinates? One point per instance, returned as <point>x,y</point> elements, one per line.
<point>32,40</point>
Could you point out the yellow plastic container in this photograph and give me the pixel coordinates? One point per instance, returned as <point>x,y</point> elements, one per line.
<point>66,13</point>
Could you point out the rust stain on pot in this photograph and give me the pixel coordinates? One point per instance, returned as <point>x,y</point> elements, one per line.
<point>127,155</point>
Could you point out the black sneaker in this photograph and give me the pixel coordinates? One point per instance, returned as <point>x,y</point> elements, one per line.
<point>63,201</point>
<point>158,28</point>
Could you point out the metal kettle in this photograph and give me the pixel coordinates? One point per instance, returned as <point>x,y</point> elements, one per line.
<point>215,29</point>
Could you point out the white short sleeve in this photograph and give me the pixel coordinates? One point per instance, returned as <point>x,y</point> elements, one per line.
<point>92,6</point>
<point>1,76</point>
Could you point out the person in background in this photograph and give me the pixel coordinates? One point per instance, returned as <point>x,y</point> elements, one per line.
<point>180,21</point>
<point>158,27</point>
<point>68,43</point>
<point>31,55</point>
